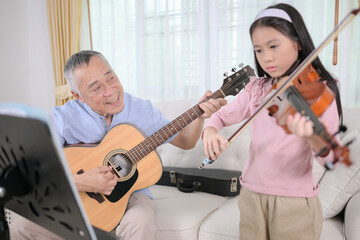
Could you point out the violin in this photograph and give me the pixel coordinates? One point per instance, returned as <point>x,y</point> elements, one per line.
<point>312,89</point>
<point>310,96</point>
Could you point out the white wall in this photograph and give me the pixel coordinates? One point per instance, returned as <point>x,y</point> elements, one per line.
<point>26,74</point>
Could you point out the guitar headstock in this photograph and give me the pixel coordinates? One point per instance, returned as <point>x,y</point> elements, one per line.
<point>233,84</point>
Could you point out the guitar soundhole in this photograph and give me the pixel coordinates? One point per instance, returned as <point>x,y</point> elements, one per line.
<point>121,164</point>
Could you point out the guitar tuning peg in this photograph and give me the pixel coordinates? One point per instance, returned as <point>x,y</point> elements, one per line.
<point>233,69</point>
<point>241,65</point>
<point>226,74</point>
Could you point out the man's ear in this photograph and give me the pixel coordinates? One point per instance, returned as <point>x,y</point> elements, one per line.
<point>77,96</point>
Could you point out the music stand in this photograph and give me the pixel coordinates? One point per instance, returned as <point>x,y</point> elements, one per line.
<point>35,180</point>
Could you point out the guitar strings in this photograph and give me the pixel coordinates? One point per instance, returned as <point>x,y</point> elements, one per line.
<point>149,144</point>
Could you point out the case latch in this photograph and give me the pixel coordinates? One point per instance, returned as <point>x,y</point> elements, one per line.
<point>172,177</point>
<point>233,184</point>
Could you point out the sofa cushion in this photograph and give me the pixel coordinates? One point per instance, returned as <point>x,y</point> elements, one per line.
<point>233,157</point>
<point>332,229</point>
<point>223,224</point>
<point>338,186</point>
<point>352,218</point>
<point>179,215</point>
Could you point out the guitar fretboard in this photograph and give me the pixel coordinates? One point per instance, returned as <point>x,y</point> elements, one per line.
<point>151,143</point>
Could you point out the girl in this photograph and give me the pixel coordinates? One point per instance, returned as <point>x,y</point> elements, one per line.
<point>279,193</point>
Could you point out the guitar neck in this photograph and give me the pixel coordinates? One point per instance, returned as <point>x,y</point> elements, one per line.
<point>161,136</point>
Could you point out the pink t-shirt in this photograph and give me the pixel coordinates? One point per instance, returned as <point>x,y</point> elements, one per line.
<point>279,163</point>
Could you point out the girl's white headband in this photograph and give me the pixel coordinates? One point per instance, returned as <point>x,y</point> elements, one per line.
<point>273,12</point>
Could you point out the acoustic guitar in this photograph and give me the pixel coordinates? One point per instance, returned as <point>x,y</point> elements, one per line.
<point>134,158</point>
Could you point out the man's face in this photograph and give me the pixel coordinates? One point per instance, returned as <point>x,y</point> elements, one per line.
<point>99,87</point>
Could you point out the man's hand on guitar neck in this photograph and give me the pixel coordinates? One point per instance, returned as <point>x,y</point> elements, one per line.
<point>188,136</point>
<point>98,179</point>
<point>210,106</point>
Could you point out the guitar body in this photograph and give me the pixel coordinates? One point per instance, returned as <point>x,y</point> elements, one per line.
<point>105,212</point>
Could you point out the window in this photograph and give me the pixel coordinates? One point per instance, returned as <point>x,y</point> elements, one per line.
<point>176,49</point>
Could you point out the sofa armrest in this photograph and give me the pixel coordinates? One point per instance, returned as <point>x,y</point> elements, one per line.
<point>352,218</point>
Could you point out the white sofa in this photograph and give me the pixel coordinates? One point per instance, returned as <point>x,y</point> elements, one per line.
<point>204,216</point>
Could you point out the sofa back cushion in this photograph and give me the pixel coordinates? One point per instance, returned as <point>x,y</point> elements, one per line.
<point>339,185</point>
<point>233,157</point>
<point>336,187</point>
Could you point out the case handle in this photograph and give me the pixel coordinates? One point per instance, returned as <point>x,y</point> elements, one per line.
<point>179,185</point>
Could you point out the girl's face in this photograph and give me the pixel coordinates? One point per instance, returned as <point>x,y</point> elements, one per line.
<point>274,51</point>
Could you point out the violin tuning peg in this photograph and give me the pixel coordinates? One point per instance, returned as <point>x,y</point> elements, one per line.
<point>241,65</point>
<point>233,69</point>
<point>342,128</point>
<point>226,74</point>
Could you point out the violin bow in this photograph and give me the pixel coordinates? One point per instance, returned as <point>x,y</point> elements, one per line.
<point>309,59</point>
<point>336,38</point>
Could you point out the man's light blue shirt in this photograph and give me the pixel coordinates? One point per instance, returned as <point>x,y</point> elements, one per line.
<point>76,122</point>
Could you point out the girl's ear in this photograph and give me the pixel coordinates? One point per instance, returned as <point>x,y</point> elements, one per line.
<point>299,46</point>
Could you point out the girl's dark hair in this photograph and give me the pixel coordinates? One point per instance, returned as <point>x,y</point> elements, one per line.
<point>298,32</point>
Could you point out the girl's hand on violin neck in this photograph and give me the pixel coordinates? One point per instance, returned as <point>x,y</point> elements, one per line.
<point>214,143</point>
<point>300,125</point>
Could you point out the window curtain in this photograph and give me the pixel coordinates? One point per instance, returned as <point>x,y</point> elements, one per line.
<point>64,27</point>
<point>176,49</point>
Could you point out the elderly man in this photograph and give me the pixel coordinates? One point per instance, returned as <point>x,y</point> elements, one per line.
<point>100,105</point>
